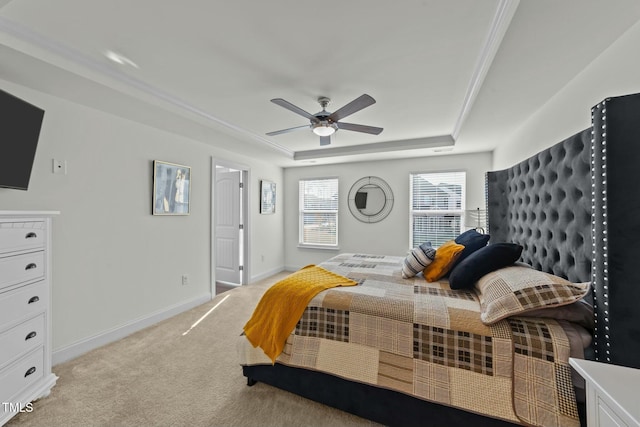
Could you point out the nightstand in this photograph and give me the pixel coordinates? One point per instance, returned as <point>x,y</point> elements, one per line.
<point>612,393</point>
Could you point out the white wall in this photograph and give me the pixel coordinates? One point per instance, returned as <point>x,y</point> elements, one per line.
<point>615,72</point>
<point>391,235</point>
<point>113,262</point>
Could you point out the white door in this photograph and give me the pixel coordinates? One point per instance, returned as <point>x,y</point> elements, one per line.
<point>228,231</point>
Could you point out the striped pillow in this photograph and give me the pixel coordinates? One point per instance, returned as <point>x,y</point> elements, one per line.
<point>417,260</point>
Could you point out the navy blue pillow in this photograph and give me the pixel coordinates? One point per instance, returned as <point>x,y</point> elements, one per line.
<point>483,261</point>
<point>472,241</point>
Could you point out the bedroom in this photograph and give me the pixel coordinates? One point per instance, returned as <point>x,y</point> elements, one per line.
<point>117,268</point>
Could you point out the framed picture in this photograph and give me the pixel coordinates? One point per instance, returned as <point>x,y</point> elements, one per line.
<point>171,188</point>
<point>267,197</point>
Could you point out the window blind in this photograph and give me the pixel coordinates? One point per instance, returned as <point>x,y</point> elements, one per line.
<point>318,212</point>
<point>436,206</point>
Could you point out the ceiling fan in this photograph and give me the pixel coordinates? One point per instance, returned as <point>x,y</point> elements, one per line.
<point>324,124</point>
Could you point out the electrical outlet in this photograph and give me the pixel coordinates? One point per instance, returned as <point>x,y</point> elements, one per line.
<point>59,166</point>
<point>185,280</point>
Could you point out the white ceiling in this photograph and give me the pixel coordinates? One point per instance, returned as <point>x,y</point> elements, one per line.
<point>457,73</point>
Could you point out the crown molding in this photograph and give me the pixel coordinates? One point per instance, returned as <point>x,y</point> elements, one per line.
<point>377,147</point>
<point>75,57</point>
<point>501,21</point>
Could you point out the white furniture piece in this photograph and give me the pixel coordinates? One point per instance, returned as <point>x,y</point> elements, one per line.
<point>613,393</point>
<point>25,310</point>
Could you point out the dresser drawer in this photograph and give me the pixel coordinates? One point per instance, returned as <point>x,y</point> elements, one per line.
<point>21,375</point>
<point>23,303</point>
<point>21,339</point>
<point>21,235</point>
<point>21,268</point>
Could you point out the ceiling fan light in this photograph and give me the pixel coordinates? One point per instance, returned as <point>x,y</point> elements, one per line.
<point>324,129</point>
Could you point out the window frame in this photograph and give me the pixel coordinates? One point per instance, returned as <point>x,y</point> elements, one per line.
<point>415,213</point>
<point>302,212</point>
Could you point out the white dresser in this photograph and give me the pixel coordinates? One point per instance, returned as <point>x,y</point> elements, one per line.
<point>613,393</point>
<point>25,310</point>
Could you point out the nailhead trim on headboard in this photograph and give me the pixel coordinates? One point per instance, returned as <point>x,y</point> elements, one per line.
<point>600,276</point>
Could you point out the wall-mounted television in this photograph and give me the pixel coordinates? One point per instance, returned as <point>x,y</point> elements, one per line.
<point>20,124</point>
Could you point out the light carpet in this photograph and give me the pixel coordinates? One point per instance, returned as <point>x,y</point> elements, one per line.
<point>177,374</point>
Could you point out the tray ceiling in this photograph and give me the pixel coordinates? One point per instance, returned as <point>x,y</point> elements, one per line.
<point>447,75</point>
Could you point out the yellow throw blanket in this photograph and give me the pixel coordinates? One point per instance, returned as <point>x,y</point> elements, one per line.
<point>282,305</point>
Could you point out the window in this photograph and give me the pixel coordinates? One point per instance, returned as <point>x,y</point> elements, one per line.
<point>319,212</point>
<point>437,207</point>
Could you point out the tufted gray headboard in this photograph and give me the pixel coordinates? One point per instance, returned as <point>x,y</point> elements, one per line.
<point>575,209</point>
<point>544,204</point>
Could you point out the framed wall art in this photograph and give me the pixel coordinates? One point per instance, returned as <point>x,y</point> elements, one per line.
<point>171,188</point>
<point>267,197</point>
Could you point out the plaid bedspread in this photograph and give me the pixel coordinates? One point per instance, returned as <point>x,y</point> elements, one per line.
<point>426,340</point>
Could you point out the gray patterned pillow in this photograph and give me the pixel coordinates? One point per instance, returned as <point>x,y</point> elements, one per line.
<point>417,260</point>
<point>515,290</point>
<point>579,312</point>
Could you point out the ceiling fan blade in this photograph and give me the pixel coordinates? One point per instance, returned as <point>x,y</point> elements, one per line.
<point>289,106</point>
<point>325,140</point>
<point>278,132</point>
<point>359,128</point>
<point>352,107</point>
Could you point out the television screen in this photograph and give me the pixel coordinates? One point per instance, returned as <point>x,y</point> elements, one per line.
<point>20,124</point>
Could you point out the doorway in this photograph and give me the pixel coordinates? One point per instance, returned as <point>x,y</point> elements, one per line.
<point>230,225</point>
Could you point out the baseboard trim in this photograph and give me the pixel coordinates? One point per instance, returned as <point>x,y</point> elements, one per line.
<point>78,348</point>
<point>267,274</point>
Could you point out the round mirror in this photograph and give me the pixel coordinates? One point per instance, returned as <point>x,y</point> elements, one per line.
<point>370,199</point>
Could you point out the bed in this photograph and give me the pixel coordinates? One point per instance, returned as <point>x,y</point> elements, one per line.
<point>405,351</point>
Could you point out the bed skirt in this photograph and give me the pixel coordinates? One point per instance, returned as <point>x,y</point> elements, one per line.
<point>364,400</point>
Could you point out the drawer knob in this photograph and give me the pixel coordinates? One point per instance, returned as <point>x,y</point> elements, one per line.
<point>31,235</point>
<point>30,335</point>
<point>33,299</point>
<point>30,371</point>
<point>31,266</point>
